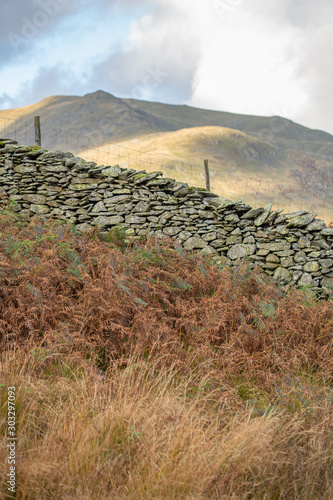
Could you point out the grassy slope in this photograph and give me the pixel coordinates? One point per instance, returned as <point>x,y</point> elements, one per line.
<point>144,372</point>
<point>241,166</point>
<point>282,132</point>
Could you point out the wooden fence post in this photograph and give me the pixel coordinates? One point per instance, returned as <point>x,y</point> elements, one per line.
<point>207,175</point>
<point>38,137</point>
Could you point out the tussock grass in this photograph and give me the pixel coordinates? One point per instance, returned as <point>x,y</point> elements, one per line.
<point>143,372</point>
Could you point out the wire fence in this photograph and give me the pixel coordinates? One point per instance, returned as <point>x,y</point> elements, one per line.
<point>253,191</point>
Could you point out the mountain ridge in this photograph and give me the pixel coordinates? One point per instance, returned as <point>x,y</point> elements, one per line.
<point>168,117</point>
<point>275,149</point>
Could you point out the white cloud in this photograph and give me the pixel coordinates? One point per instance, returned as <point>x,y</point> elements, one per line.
<point>159,59</point>
<point>247,56</point>
<point>249,64</point>
<point>317,69</point>
<point>269,58</point>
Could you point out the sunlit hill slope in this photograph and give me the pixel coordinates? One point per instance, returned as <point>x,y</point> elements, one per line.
<point>260,159</point>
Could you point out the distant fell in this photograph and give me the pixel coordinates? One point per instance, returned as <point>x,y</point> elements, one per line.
<point>112,118</point>
<point>269,149</point>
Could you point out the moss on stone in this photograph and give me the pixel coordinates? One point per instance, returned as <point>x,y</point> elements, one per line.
<point>139,176</point>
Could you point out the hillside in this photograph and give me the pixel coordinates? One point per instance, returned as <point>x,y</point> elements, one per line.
<point>119,119</point>
<point>269,149</point>
<point>280,131</point>
<point>144,372</point>
<point>241,166</point>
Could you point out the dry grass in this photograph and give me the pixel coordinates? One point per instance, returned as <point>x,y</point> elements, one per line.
<point>241,166</point>
<point>142,372</point>
<point>137,433</point>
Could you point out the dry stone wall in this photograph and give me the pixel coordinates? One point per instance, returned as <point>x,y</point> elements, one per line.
<point>294,248</point>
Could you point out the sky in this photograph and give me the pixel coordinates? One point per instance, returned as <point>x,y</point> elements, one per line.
<point>257,57</point>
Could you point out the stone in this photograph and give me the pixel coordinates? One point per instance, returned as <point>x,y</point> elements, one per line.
<point>208,251</point>
<point>184,235</point>
<point>272,258</point>
<point>316,225</point>
<point>300,257</point>
<point>117,199</point>
<point>220,203</point>
<point>327,232</point>
<point>253,214</point>
<point>249,239</point>
<point>273,216</point>
<point>275,247</point>
<point>285,253</point>
<point>83,187</point>
<point>280,219</point>
<point>171,231</point>
<point>83,227</point>
<point>282,229</point>
<point>195,242</point>
<point>233,219</point>
<point>103,221</point>
<point>121,191</point>
<point>297,275</point>
<point>327,283</point>
<point>233,239</point>
<point>209,236</point>
<point>314,255</point>
<point>301,221</point>
<point>112,171</point>
<point>321,243</point>
<point>142,206</point>
<point>311,267</point>
<point>39,209</point>
<point>84,180</point>
<point>263,217</point>
<point>244,225</point>
<point>206,214</point>
<point>261,235</point>
<point>240,250</point>
<point>217,243</point>
<point>55,155</point>
<point>53,168</point>
<point>304,242</point>
<point>34,198</point>
<point>282,274</point>
<point>296,213</point>
<point>153,219</point>
<point>142,178</point>
<point>99,207</point>
<point>270,265</point>
<point>326,262</point>
<point>24,169</point>
<point>287,261</point>
<point>262,252</point>
<point>305,279</point>
<point>223,261</point>
<point>134,219</point>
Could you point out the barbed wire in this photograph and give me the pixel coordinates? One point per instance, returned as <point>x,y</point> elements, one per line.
<point>252,190</point>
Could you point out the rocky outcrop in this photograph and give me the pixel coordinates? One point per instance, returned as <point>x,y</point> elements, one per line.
<point>294,248</point>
